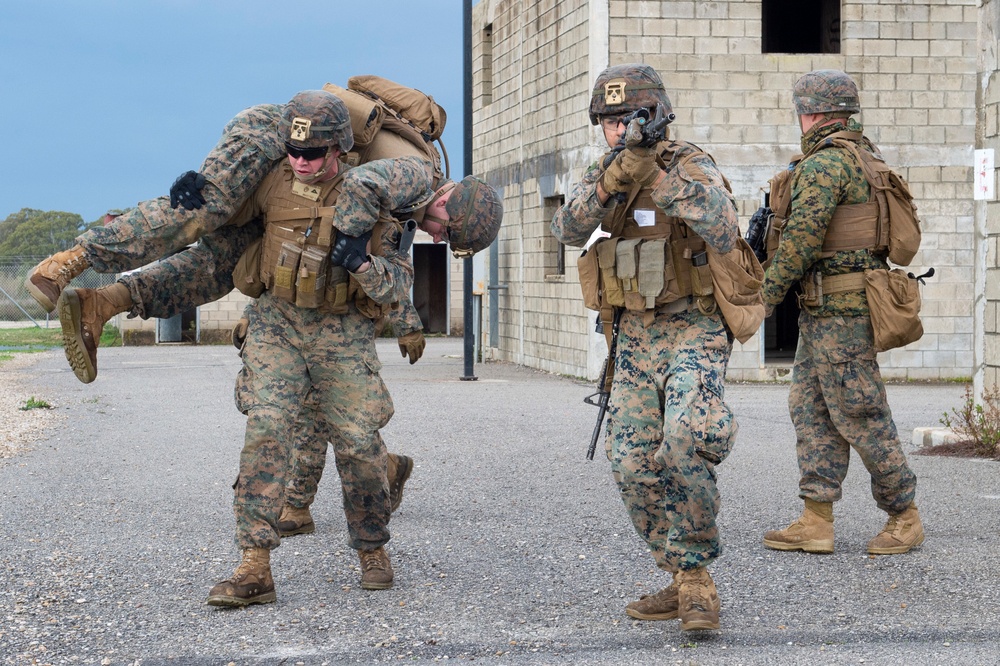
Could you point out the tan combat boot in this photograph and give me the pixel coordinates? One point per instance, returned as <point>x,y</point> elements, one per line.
<point>251,583</point>
<point>902,532</point>
<point>812,532</point>
<point>398,470</point>
<point>376,570</point>
<point>294,520</point>
<point>659,606</point>
<point>47,280</point>
<point>697,600</point>
<point>83,313</point>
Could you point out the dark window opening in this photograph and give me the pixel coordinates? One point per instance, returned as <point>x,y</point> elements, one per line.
<point>555,252</point>
<point>486,68</point>
<point>800,26</point>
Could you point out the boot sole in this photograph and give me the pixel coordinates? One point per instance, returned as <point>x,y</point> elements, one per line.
<point>71,319</point>
<point>408,463</point>
<point>699,625</point>
<point>308,528</point>
<point>376,586</point>
<point>236,602</point>
<point>896,550</point>
<point>652,617</point>
<point>817,547</point>
<point>40,296</point>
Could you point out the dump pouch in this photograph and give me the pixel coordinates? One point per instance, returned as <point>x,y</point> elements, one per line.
<point>737,277</point>
<point>246,274</point>
<point>894,308</point>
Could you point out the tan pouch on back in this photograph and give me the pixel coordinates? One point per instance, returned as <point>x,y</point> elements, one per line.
<point>246,274</point>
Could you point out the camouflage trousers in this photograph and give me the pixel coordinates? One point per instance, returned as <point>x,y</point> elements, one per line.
<point>197,275</point>
<point>290,351</point>
<point>312,437</point>
<point>668,428</point>
<point>837,402</point>
<point>153,229</point>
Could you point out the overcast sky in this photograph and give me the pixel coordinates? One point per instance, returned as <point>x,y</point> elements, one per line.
<point>105,102</point>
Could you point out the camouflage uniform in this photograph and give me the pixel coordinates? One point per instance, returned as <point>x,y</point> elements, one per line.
<point>837,399</point>
<point>248,150</point>
<point>668,423</point>
<point>291,350</point>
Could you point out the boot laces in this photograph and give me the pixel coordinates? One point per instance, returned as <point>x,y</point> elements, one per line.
<point>371,560</point>
<point>73,267</point>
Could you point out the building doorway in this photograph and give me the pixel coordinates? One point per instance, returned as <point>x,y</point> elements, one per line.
<point>430,285</point>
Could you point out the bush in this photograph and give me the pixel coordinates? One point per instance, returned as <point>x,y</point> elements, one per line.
<point>979,424</point>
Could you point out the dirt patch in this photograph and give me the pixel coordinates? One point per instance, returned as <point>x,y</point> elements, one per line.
<point>18,427</point>
<point>966,449</point>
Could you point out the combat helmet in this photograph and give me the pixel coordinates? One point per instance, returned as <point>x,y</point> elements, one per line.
<point>625,88</point>
<point>316,118</point>
<point>474,215</point>
<point>826,91</point>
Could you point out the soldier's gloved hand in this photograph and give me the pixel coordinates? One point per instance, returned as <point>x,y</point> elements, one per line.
<point>412,344</point>
<point>240,332</point>
<point>614,179</point>
<point>350,251</point>
<point>186,191</point>
<point>640,165</point>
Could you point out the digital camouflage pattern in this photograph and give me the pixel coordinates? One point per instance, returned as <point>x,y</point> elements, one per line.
<point>826,91</point>
<point>288,352</point>
<point>819,183</point>
<point>379,188</point>
<point>669,427</point>
<point>248,150</point>
<point>694,192</point>
<point>837,402</point>
<point>626,88</point>
<point>667,417</point>
<point>198,275</point>
<point>474,215</point>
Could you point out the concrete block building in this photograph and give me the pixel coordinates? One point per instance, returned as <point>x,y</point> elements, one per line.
<point>926,70</point>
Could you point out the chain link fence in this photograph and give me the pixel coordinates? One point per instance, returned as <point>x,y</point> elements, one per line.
<point>17,305</point>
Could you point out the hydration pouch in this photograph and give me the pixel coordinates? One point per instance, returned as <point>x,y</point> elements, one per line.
<point>284,271</point>
<point>310,287</point>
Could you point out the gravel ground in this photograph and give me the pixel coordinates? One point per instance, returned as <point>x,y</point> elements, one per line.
<point>510,547</point>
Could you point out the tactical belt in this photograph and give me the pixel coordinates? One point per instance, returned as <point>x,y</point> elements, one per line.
<point>836,284</point>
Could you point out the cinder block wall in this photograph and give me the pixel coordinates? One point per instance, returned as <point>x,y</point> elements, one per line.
<point>914,62</point>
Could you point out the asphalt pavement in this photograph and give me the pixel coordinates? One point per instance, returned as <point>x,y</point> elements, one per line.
<point>509,548</point>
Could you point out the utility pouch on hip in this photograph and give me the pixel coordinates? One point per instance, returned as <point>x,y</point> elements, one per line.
<point>284,271</point>
<point>812,290</point>
<point>336,291</point>
<point>894,308</point>
<point>310,287</point>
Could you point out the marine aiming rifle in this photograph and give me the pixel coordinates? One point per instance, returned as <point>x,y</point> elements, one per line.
<point>641,131</point>
<point>600,399</point>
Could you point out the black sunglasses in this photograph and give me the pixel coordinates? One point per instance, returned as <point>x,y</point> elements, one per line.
<point>307,154</point>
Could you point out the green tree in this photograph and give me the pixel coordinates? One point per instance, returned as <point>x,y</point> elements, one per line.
<point>38,233</point>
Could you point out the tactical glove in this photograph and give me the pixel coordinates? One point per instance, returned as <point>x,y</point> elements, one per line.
<point>614,179</point>
<point>639,164</point>
<point>240,332</point>
<point>350,251</point>
<point>412,344</point>
<point>186,191</point>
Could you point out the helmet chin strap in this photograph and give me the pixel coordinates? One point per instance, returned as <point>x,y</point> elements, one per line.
<point>428,215</point>
<point>331,158</point>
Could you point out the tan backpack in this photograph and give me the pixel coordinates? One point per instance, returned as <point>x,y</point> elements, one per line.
<point>386,116</point>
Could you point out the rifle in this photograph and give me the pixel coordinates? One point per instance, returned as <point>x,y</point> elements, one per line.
<point>600,399</point>
<point>640,132</point>
<point>760,225</point>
